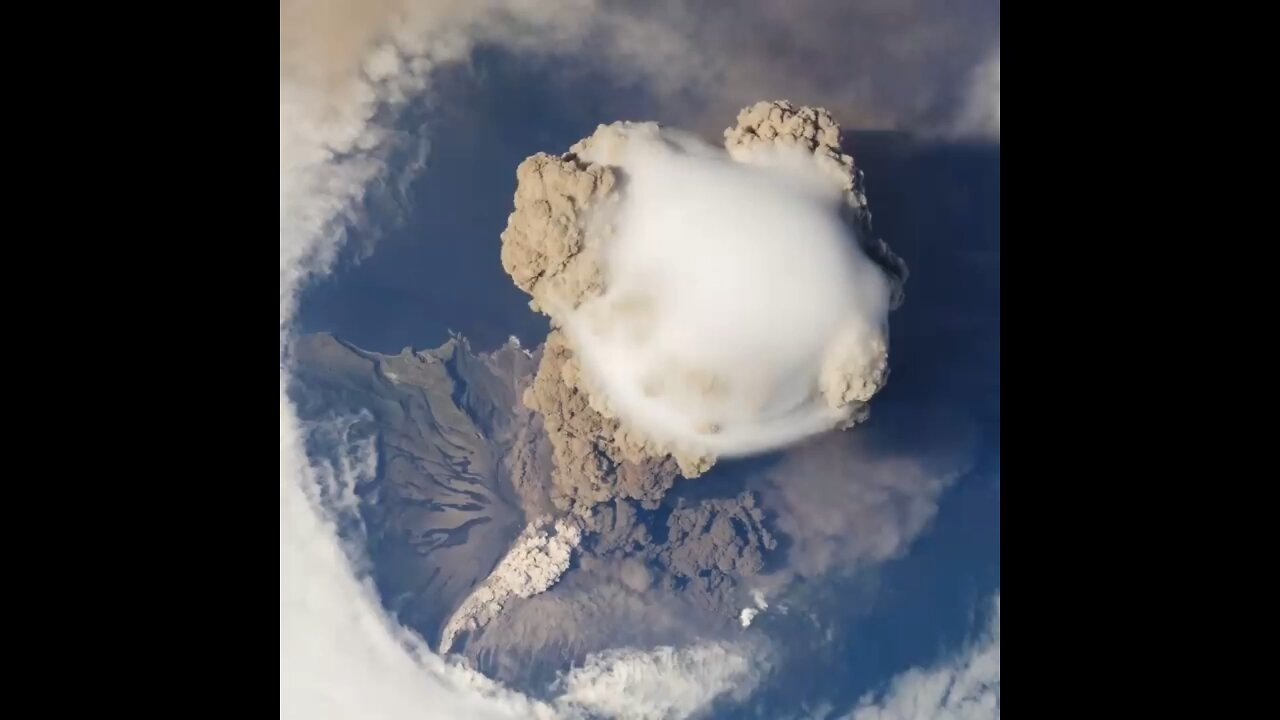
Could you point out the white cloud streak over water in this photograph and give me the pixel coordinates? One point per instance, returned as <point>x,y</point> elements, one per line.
<point>980,114</point>
<point>663,683</point>
<point>965,687</point>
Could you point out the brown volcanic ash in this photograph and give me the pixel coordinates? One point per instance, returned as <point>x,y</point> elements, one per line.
<point>566,245</point>
<point>570,211</point>
<point>630,588</point>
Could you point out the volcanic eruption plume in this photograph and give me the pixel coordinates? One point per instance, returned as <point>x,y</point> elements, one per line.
<point>704,302</point>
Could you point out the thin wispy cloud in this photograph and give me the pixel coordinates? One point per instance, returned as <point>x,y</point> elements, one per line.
<point>964,687</point>
<point>980,113</point>
<point>663,683</point>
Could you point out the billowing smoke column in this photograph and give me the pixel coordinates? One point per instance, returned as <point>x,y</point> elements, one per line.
<point>704,303</point>
<point>536,561</point>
